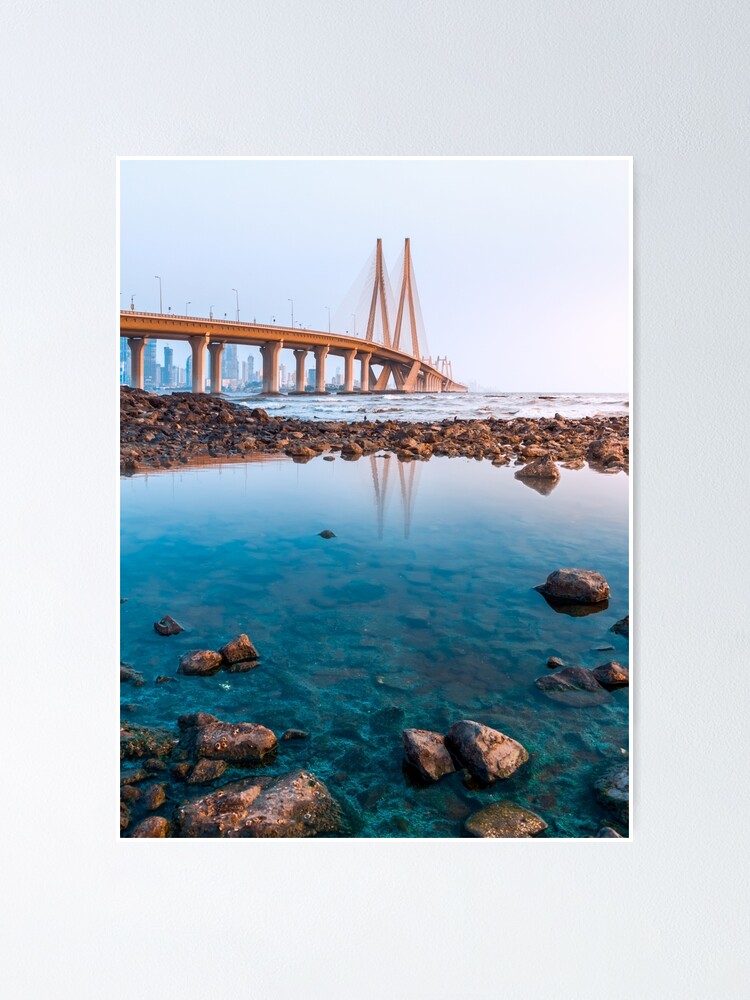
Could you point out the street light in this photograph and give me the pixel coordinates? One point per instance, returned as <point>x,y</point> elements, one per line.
<point>292,301</point>
<point>329,317</point>
<point>210,312</point>
<point>159,280</point>
<point>186,305</point>
<point>131,301</point>
<point>237,296</point>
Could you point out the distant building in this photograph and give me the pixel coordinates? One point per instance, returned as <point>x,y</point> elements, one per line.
<point>167,371</point>
<point>250,368</point>
<point>230,366</point>
<point>311,377</point>
<point>124,361</point>
<point>189,370</point>
<point>150,367</point>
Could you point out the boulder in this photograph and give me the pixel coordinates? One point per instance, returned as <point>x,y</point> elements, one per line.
<point>327,533</point>
<point>130,676</point>
<point>206,770</point>
<point>141,741</point>
<point>426,751</point>
<point>294,805</point>
<point>622,627</point>
<point>612,675</point>
<point>167,626</point>
<point>240,743</point>
<point>124,816</point>
<point>554,662</point>
<point>129,793</point>
<point>607,831</point>
<point>239,650</point>
<point>613,791</point>
<point>504,819</point>
<point>573,686</point>
<point>154,796</point>
<point>152,826</point>
<point>295,734</point>
<point>487,753</point>
<point>584,586</point>
<point>200,663</point>
<point>540,468</point>
<point>351,451</point>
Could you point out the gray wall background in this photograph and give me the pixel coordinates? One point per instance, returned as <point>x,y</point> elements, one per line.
<point>662,916</point>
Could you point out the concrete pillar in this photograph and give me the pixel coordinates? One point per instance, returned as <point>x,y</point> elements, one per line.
<point>349,369</point>
<point>320,367</point>
<point>137,347</point>
<point>216,351</point>
<point>364,376</point>
<point>270,354</point>
<point>198,348</point>
<point>300,356</point>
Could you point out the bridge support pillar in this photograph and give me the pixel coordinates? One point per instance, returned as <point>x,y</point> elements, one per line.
<point>299,357</point>
<point>321,353</point>
<point>198,348</point>
<point>364,373</point>
<point>137,347</point>
<point>349,370</point>
<point>270,354</point>
<point>216,351</point>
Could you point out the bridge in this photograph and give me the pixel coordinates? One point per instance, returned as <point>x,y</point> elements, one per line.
<point>390,354</point>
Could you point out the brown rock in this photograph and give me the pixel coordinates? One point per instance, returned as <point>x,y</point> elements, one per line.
<point>607,831</point>
<point>612,675</point>
<point>128,793</point>
<point>130,676</point>
<point>140,741</point>
<point>294,805</point>
<point>487,753</point>
<point>206,770</point>
<point>152,826</point>
<point>554,662</point>
<point>295,734</point>
<point>504,819</point>
<point>154,796</point>
<point>573,686</point>
<point>540,468</point>
<point>577,585</point>
<point>622,627</point>
<point>200,663</point>
<point>124,816</point>
<point>243,743</point>
<point>239,650</point>
<point>167,626</point>
<point>426,751</point>
<point>241,666</point>
<point>327,533</point>
<point>613,791</point>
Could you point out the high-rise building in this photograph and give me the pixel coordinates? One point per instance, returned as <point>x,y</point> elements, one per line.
<point>250,368</point>
<point>167,372</point>
<point>230,368</point>
<point>282,375</point>
<point>311,377</point>
<point>150,365</point>
<point>189,371</point>
<point>124,361</point>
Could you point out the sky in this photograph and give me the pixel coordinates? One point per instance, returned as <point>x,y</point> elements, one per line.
<point>522,266</point>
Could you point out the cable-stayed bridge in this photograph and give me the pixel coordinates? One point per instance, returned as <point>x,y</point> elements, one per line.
<point>391,351</point>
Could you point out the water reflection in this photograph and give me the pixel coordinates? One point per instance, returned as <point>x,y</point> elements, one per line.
<point>408,474</point>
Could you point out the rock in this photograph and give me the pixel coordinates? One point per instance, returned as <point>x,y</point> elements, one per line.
<point>554,662</point>
<point>154,796</point>
<point>540,468</point>
<point>239,650</point>
<point>351,451</point>
<point>613,791</point>
<point>181,771</point>
<point>166,680</point>
<point>622,627</point>
<point>130,676</point>
<point>140,741</point>
<point>167,626</point>
<point>606,452</point>
<point>200,663</point>
<point>130,777</point>
<point>426,751</point>
<point>326,534</point>
<point>603,649</point>
<point>241,666</point>
<point>241,743</point>
<point>295,734</point>
<point>129,793</point>
<point>294,805</point>
<point>584,586</point>
<point>504,819</point>
<point>206,770</point>
<point>612,675</point>
<point>487,753</point>
<point>124,817</point>
<point>152,826</point>
<point>153,765</point>
<point>329,458</point>
<point>607,831</point>
<point>573,686</point>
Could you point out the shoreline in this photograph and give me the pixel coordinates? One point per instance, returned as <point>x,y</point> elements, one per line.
<point>169,431</point>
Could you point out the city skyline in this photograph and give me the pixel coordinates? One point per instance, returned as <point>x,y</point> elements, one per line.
<point>522,265</point>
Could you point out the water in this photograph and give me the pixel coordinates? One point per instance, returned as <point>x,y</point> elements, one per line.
<point>419,613</point>
<point>438,406</point>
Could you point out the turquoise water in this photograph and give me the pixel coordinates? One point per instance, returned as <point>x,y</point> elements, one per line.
<point>421,611</point>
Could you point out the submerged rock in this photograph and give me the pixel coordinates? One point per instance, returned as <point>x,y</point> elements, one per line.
<point>612,675</point>
<point>327,533</point>
<point>584,586</point>
<point>426,751</point>
<point>487,753</point>
<point>239,650</point>
<point>295,734</point>
<point>554,662</point>
<point>206,770</point>
<point>154,796</point>
<point>294,805</point>
<point>607,831</point>
<point>622,627</point>
<point>128,675</point>
<point>140,741</point>
<point>167,626</point>
<point>613,791</point>
<point>152,826</point>
<point>200,663</point>
<point>573,686</point>
<point>504,819</point>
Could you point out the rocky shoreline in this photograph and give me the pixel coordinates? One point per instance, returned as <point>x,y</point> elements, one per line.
<point>182,428</point>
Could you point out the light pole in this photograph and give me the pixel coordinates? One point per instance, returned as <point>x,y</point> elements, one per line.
<point>329,318</point>
<point>210,312</point>
<point>292,301</point>
<point>186,307</point>
<point>159,280</point>
<point>131,301</point>
<point>237,296</point>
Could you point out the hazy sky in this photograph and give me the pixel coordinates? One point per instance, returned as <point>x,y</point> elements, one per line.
<point>521,265</point>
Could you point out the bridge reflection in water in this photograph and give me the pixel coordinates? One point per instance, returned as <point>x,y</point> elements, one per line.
<point>408,475</point>
<point>392,354</point>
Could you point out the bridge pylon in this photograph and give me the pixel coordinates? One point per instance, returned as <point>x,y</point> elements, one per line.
<point>378,294</point>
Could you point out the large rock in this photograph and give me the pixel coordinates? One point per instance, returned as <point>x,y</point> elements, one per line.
<point>540,468</point>
<point>141,741</point>
<point>622,627</point>
<point>613,791</point>
<point>130,676</point>
<point>426,751</point>
<point>584,586</point>
<point>239,650</point>
<point>200,663</point>
<point>504,819</point>
<point>612,675</point>
<point>206,770</point>
<point>294,805</point>
<point>573,686</point>
<point>152,826</point>
<point>487,753</point>
<point>608,832</point>
<point>167,626</point>
<point>237,743</point>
